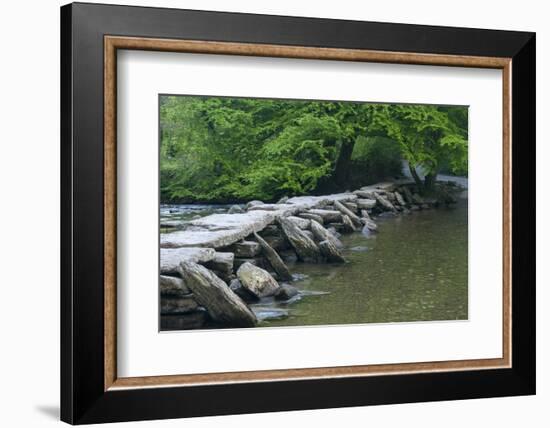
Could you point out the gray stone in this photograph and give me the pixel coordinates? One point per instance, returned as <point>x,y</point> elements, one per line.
<point>322,234</point>
<point>187,321</point>
<point>284,209</point>
<point>286,292</point>
<point>370,225</point>
<point>237,288</point>
<point>178,305</point>
<point>384,202</point>
<point>289,256</point>
<point>389,196</point>
<point>328,216</point>
<point>172,286</point>
<point>305,247</point>
<point>170,258</point>
<point>309,234</point>
<point>246,249</point>
<point>256,280</point>
<point>283,200</point>
<point>235,209</point>
<point>311,216</point>
<point>351,206</point>
<point>302,223</point>
<point>348,225</point>
<point>366,204</point>
<point>274,259</point>
<point>277,242</point>
<point>171,224</point>
<point>218,230</point>
<point>388,186</point>
<point>256,261</point>
<point>271,230</point>
<point>400,199</point>
<point>222,262</point>
<point>211,292</point>
<point>334,232</point>
<point>347,212</point>
<point>253,204</point>
<point>365,194</point>
<point>339,227</point>
<point>365,214</point>
<point>331,253</point>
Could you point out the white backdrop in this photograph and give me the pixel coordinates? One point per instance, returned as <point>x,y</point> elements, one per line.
<point>29,231</point>
<point>142,351</point>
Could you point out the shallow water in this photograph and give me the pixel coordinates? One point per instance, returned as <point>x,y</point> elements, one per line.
<point>414,269</point>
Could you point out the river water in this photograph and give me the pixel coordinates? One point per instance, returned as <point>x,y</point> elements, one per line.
<point>414,269</point>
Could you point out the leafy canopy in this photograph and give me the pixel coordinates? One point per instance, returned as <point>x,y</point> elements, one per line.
<point>229,149</point>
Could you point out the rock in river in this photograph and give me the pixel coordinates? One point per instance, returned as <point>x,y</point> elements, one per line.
<point>347,212</point>
<point>322,234</point>
<point>222,304</point>
<point>286,292</point>
<point>302,223</point>
<point>242,292</point>
<point>332,254</point>
<point>172,286</point>
<point>246,249</point>
<point>305,247</point>
<point>256,280</point>
<point>274,259</point>
<point>253,204</point>
<point>366,204</point>
<point>178,305</point>
<point>235,209</point>
<point>188,321</point>
<point>170,258</point>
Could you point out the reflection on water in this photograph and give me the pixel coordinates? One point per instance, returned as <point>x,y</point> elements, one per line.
<point>414,269</point>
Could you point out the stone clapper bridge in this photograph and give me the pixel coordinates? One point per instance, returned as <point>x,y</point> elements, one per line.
<point>219,264</point>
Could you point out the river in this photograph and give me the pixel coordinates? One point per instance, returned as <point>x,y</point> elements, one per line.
<point>414,269</point>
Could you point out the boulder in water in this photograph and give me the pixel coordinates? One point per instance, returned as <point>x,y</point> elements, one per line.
<point>283,200</point>
<point>286,292</point>
<point>236,286</point>
<point>172,286</point>
<point>235,209</point>
<point>253,204</point>
<point>256,280</point>
<point>246,249</point>
<point>212,293</point>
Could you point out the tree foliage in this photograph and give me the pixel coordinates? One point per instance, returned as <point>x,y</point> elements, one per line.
<point>429,136</point>
<point>230,149</point>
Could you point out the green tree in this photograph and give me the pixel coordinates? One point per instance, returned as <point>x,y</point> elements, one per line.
<point>428,136</point>
<point>216,149</point>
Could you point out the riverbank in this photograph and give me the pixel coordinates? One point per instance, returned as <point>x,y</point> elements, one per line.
<point>226,270</point>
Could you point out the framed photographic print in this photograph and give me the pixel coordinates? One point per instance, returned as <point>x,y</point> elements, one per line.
<point>265,213</point>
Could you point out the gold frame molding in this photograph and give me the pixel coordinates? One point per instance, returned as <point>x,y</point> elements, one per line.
<point>113,43</point>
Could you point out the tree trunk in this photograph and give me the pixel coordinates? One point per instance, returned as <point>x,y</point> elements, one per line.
<point>417,179</point>
<point>429,181</point>
<point>343,163</point>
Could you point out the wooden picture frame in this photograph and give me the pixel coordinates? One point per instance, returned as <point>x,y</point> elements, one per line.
<point>91,390</point>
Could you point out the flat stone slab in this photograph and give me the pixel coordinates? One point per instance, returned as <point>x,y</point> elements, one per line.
<point>170,258</point>
<point>218,230</point>
<point>222,230</point>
